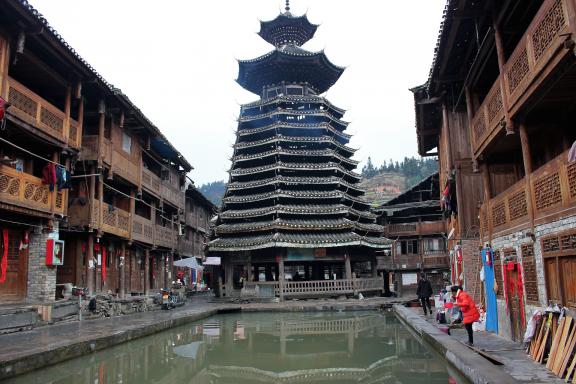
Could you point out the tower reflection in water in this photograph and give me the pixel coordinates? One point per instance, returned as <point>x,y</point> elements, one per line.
<point>343,347</point>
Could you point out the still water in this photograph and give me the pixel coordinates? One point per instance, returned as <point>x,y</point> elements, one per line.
<point>345,347</point>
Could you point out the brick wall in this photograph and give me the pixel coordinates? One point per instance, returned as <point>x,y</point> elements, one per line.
<point>41,278</point>
<point>472,264</point>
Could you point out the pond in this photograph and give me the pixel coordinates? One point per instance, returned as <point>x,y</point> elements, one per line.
<point>338,347</point>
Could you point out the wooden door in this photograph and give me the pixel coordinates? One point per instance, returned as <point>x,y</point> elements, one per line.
<point>515,302</point>
<point>14,287</point>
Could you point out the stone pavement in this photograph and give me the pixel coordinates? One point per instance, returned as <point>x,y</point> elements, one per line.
<point>25,351</point>
<point>516,362</point>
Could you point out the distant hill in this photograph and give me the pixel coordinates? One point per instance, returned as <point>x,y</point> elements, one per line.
<point>383,187</point>
<point>392,178</point>
<point>214,191</point>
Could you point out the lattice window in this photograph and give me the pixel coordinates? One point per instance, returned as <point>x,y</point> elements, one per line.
<point>9,185</point>
<point>548,29</point>
<point>484,222</point>
<point>509,254</point>
<point>51,120</point>
<point>517,205</point>
<point>572,179</point>
<point>137,227</point>
<point>529,274</point>
<point>499,214</point>
<point>547,191</point>
<point>494,105</point>
<point>123,222</point>
<point>59,200</point>
<point>498,275</point>
<point>109,217</point>
<point>568,242</point>
<point>518,71</point>
<point>148,231</point>
<point>22,102</point>
<point>480,127</point>
<point>551,244</point>
<point>73,133</point>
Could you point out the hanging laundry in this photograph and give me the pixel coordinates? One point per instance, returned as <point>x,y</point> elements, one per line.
<point>4,256</point>
<point>572,153</point>
<point>103,265</point>
<point>62,178</point>
<point>49,175</point>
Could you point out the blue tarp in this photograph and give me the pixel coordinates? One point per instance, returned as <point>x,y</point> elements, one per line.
<point>491,305</point>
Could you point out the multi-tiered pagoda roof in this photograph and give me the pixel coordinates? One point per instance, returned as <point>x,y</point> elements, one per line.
<point>292,180</point>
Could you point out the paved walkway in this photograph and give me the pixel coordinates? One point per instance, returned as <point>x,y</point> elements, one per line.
<point>24,351</point>
<point>516,362</point>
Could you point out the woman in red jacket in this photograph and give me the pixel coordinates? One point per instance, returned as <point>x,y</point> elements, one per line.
<point>468,308</point>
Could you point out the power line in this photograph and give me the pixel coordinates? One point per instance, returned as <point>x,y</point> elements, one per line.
<point>28,152</point>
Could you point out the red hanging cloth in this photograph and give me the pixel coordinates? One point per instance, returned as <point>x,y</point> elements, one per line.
<point>4,260</point>
<point>521,296</point>
<point>103,270</point>
<point>3,105</point>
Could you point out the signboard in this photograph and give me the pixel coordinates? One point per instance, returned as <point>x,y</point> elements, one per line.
<point>300,254</point>
<point>54,252</point>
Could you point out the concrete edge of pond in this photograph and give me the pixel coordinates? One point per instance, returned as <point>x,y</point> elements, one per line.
<point>43,357</point>
<point>473,366</point>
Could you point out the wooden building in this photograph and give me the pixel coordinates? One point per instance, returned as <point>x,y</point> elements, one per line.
<point>119,209</point>
<point>414,222</point>
<point>498,107</point>
<point>292,208</point>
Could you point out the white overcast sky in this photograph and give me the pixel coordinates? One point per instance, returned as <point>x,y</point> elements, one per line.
<point>176,60</point>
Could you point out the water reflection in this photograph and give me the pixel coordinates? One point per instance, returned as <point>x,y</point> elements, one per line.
<point>262,348</point>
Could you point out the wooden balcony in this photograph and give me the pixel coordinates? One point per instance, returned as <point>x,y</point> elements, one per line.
<point>165,237</point>
<point>142,230</point>
<point>186,247</point>
<point>90,149</point>
<point>534,58</point>
<point>39,113</point>
<point>410,229</point>
<point>172,194</point>
<point>549,192</point>
<point>150,181</point>
<point>114,220</point>
<point>124,167</point>
<point>27,191</point>
<point>438,259</point>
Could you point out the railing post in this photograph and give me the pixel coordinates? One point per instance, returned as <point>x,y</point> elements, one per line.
<point>501,66</point>
<point>354,285</point>
<point>122,284</point>
<point>281,275</point>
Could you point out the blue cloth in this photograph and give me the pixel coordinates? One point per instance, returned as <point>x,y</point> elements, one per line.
<point>491,305</point>
<point>62,178</point>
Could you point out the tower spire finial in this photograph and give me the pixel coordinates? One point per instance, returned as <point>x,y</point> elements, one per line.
<point>287,6</point>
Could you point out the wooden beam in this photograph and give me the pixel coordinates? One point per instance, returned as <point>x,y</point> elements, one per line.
<point>501,66</point>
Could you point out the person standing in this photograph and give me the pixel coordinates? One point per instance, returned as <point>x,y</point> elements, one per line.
<point>424,292</point>
<point>468,308</point>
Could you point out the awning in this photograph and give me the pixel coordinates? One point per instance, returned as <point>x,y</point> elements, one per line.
<point>212,260</point>
<point>189,262</point>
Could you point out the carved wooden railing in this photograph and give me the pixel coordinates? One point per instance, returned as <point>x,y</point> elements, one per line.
<point>172,194</point>
<point>90,149</point>
<point>426,227</point>
<point>551,193</point>
<point>142,229</point>
<point>26,190</point>
<point>437,261</point>
<point>323,287</point>
<point>126,167</point>
<point>535,52</point>
<point>150,181</point>
<point>165,237</point>
<point>114,220</point>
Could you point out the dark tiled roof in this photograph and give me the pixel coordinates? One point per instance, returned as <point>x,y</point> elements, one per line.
<point>311,209</point>
<point>296,152</point>
<point>305,127</point>
<point>328,166</point>
<point>285,224</point>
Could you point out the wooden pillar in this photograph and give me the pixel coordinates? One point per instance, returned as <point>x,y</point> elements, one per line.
<point>249,272</point>
<point>132,212</point>
<point>501,63</point>
<point>67,110</point>
<point>101,128</point>
<point>122,284</point>
<point>446,132</point>
<point>280,258</point>
<point>374,266</point>
<point>4,65</point>
<point>347,266</point>
<point>167,263</point>
<point>147,272</point>
<point>101,199</point>
<point>90,266</point>
<point>470,112</point>
<point>229,276</point>
<point>527,160</point>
